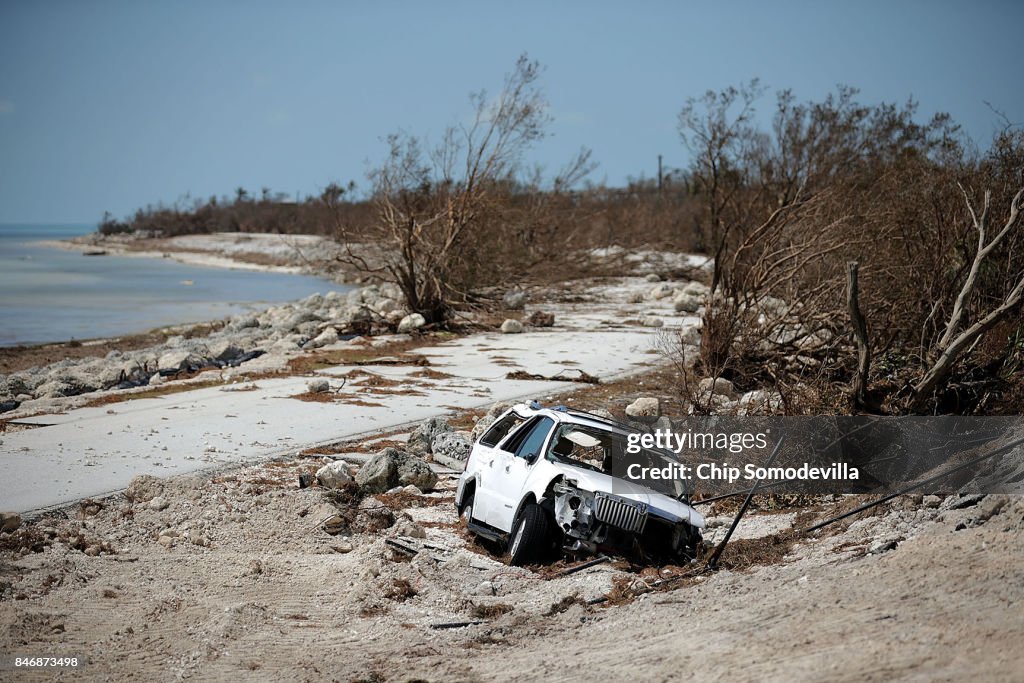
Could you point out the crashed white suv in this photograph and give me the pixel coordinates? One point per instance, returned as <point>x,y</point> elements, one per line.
<point>539,480</point>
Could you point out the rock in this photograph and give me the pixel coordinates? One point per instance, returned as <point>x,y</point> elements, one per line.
<point>156,380</point>
<point>318,386</point>
<point>392,467</point>
<point>690,335</point>
<point>759,402</point>
<point>931,501</point>
<point>326,338</point>
<point>686,303</point>
<point>498,408</point>
<point>644,407</point>
<point>143,489</point>
<point>422,438</point>
<point>635,298</point>
<point>411,322</point>
<point>662,291</point>
<point>409,528</point>
<point>159,503</point>
<point>333,475</point>
<point>698,289</point>
<point>662,423</point>
<point>481,426</point>
<point>225,351</point>
<point>166,541</point>
<point>602,412</point>
<point>9,521</point>
<point>515,299</point>
<point>512,326</point>
<point>451,448</point>
<point>541,319</point>
<point>178,360</point>
<point>717,386</point>
<point>651,321</point>
<point>652,277</point>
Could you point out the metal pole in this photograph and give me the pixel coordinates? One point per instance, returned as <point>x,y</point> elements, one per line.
<point>713,560</point>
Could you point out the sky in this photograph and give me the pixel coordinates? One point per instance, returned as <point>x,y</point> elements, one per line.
<point>110,105</point>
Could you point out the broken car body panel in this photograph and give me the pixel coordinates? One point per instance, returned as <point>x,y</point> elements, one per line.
<point>560,460</point>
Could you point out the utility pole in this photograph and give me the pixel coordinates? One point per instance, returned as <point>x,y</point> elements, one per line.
<point>660,179</point>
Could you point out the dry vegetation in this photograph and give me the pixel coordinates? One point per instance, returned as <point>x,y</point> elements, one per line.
<point>837,217</point>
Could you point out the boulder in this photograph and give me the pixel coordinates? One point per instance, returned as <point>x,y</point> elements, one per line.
<point>143,489</point>
<point>225,350</point>
<point>652,277</point>
<point>411,322</point>
<point>690,335</point>
<point>651,321</point>
<point>512,326</point>
<point>645,408</point>
<point>9,521</point>
<point>541,319</point>
<point>422,438</point>
<point>392,467</point>
<point>318,386</point>
<point>686,303</point>
<point>662,291</point>
<point>178,360</point>
<point>481,426</point>
<point>717,386</point>
<point>451,449</point>
<point>515,299</point>
<point>698,289</point>
<point>326,338</point>
<point>334,475</point>
<point>158,504</point>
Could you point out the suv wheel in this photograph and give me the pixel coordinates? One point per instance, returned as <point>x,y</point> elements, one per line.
<point>531,536</point>
<point>467,508</point>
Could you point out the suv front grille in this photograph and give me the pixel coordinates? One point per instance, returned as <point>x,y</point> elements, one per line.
<point>620,512</point>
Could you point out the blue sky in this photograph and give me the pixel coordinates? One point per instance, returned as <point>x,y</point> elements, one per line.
<point>115,105</point>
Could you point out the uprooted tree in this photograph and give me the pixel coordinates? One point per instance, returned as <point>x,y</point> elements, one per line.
<point>466,213</point>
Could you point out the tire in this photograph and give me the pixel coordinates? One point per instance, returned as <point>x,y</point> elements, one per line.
<point>466,512</point>
<point>531,537</point>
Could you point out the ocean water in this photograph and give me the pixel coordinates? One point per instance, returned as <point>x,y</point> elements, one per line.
<point>49,294</point>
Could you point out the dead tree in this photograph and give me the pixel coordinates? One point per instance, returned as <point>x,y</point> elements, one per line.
<point>954,340</point>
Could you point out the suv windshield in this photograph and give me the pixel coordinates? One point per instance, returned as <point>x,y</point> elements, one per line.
<point>605,451</point>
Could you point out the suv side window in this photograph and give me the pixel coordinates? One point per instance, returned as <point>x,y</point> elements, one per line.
<point>497,431</point>
<point>531,442</point>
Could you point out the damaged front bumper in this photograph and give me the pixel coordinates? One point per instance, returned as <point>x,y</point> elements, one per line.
<point>591,521</point>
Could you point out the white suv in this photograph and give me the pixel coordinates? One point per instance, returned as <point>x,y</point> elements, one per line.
<point>539,479</point>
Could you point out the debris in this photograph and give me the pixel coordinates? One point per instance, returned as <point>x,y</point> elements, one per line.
<point>333,475</point>
<point>400,547</point>
<point>512,326</point>
<point>305,480</point>
<point>334,525</point>
<point>454,624</point>
<point>882,546</point>
<point>581,376</point>
<point>583,565</point>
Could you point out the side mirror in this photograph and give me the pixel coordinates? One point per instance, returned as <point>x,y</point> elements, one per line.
<point>529,457</point>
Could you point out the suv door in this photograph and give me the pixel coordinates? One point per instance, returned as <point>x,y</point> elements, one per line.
<point>484,461</point>
<point>512,466</point>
